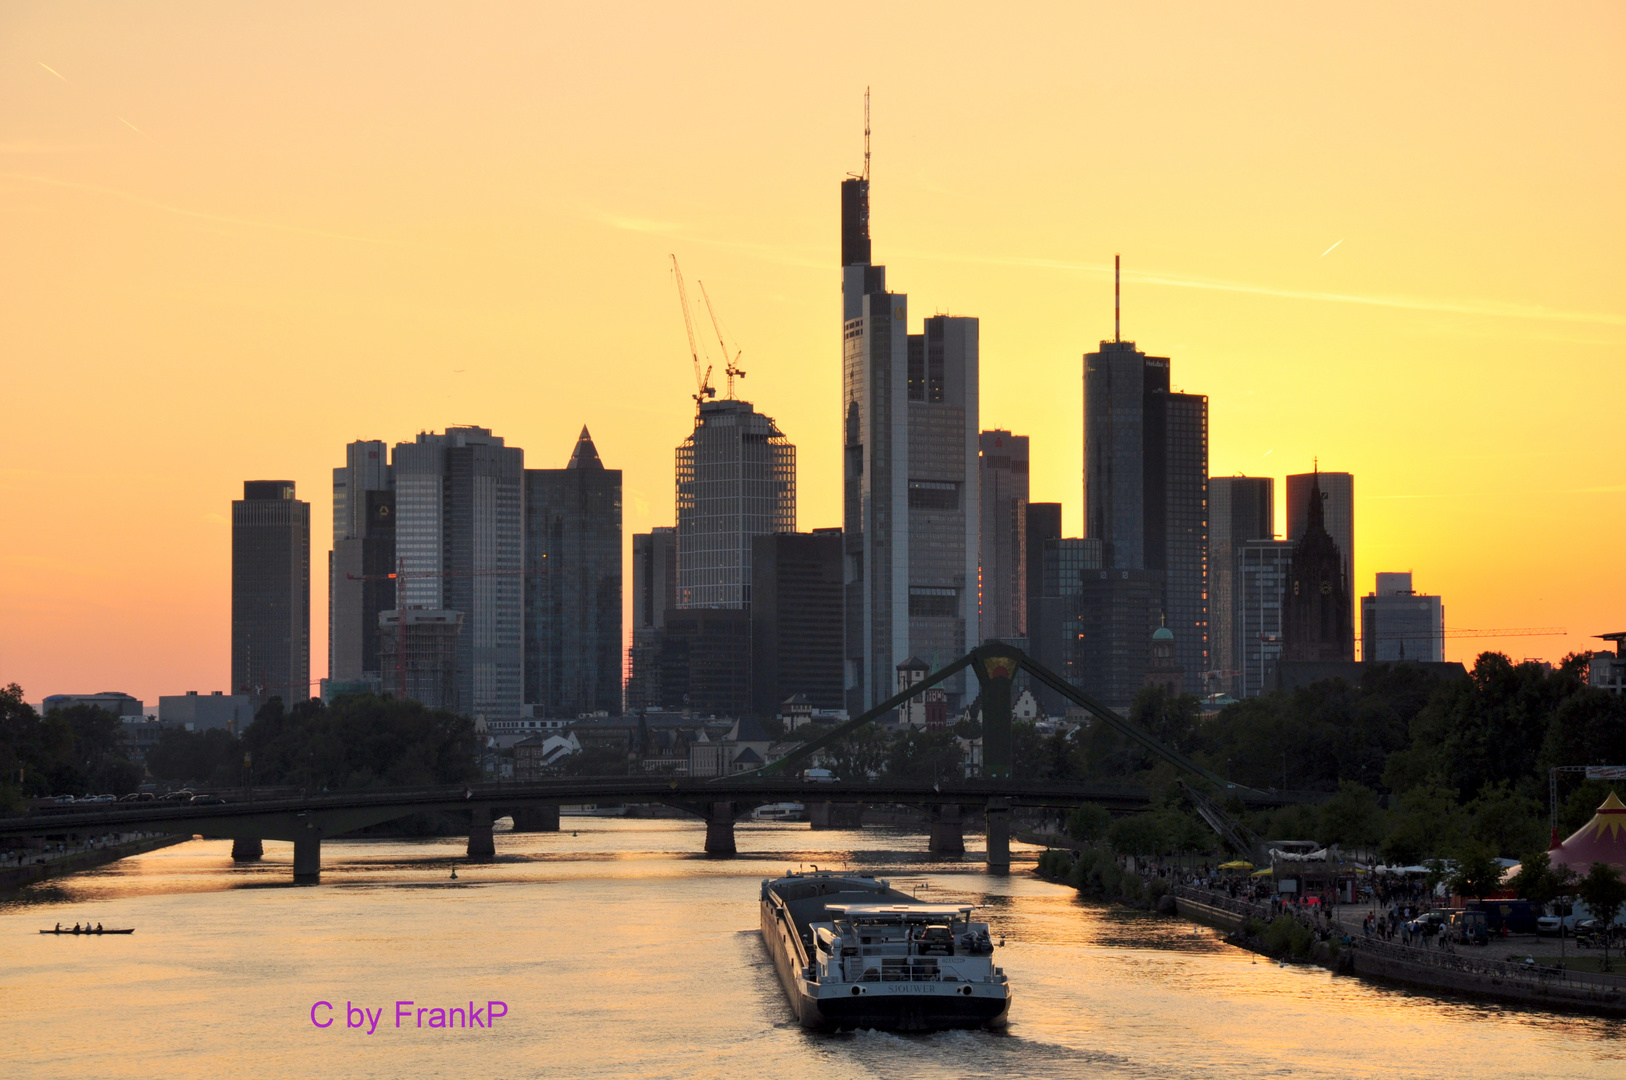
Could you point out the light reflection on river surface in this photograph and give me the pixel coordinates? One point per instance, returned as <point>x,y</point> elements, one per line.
<point>621,952</point>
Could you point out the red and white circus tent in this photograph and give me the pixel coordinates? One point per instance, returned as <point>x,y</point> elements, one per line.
<point>1603,839</point>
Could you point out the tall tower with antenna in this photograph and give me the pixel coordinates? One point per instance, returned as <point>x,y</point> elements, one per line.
<point>909,473</point>
<point>1146,497</point>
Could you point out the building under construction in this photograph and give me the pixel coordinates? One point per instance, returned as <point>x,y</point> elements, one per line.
<point>428,638</point>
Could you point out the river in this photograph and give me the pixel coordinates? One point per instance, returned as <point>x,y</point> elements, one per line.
<point>620,951</point>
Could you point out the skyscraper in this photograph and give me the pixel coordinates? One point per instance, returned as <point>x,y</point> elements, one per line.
<point>270,593</point>
<point>1400,624</point>
<point>1316,619</point>
<point>459,539</point>
<point>1146,489</point>
<point>910,475</point>
<point>796,620</point>
<point>1263,568</point>
<point>736,479</point>
<point>573,586</point>
<point>1240,508</point>
<point>1003,484</point>
<point>654,593</point>
<point>363,557</point>
<point>1337,509</point>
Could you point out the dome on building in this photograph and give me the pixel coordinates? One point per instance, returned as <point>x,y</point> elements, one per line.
<point>1163,633</point>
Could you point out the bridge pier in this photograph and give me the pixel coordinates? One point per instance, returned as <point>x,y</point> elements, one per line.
<point>947,830</point>
<point>247,849</point>
<point>308,857</point>
<point>833,815</point>
<point>481,843</point>
<point>720,829</point>
<point>999,836</point>
<point>537,817</point>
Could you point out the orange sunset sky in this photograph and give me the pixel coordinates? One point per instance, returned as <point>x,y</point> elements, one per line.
<point>237,237</point>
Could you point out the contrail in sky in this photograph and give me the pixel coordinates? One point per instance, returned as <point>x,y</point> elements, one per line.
<point>54,71</point>
<point>131,126</point>
<point>1325,253</point>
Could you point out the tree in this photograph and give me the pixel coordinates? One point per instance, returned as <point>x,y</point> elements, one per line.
<point>1169,718</point>
<point>1604,894</point>
<point>1352,817</point>
<point>1505,820</point>
<point>1539,881</point>
<point>1427,823</point>
<point>858,756</point>
<point>1089,823</point>
<point>1476,873</point>
<point>925,755</point>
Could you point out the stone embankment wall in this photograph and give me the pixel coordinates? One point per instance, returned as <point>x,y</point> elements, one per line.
<point>1525,984</point>
<point>16,877</point>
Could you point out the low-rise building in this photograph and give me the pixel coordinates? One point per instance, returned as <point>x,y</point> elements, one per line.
<point>193,711</point>
<point>1607,671</point>
<point>109,701</point>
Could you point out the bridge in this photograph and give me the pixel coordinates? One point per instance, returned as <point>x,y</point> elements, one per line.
<point>306,820</point>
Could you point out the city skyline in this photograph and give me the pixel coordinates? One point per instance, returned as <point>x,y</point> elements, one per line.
<point>1309,284</point>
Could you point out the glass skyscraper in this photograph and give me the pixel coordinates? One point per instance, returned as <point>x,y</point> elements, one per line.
<point>736,479</point>
<point>270,593</point>
<point>573,586</point>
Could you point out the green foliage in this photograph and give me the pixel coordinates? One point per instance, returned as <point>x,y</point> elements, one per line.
<point>1580,804</point>
<point>1318,735</point>
<point>1170,718</point>
<point>1587,728</point>
<point>1286,937</point>
<point>1604,894</point>
<point>213,757</point>
<point>361,741</point>
<point>1055,864</point>
<point>1504,820</point>
<point>73,751</point>
<point>1164,831</point>
<point>1352,817</point>
<point>1427,822</point>
<point>860,755</point>
<point>1089,823</point>
<point>1540,881</point>
<point>1476,872</point>
<point>925,755</point>
<point>1486,730</point>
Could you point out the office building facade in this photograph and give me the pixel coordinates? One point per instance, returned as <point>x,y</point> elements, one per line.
<point>1259,584</point>
<point>360,561</point>
<point>706,661</point>
<point>421,656</point>
<point>573,586</point>
<point>654,593</point>
<point>736,479</point>
<point>1061,566</point>
<point>1240,509</point>
<point>796,612</point>
<point>1146,489</point>
<point>1002,483</point>
<point>1399,624</point>
<point>270,594</point>
<point>911,505</point>
<point>459,539</point>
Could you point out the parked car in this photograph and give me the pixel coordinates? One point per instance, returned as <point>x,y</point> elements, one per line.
<point>182,796</point>
<point>1428,923</point>
<point>818,776</point>
<point>1568,916</point>
<point>1469,927</point>
<point>208,800</point>
<point>139,796</point>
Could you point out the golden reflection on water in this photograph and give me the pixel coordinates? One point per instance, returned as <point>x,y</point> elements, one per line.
<point>622,952</point>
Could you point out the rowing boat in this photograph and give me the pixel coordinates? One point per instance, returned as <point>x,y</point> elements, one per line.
<point>81,933</point>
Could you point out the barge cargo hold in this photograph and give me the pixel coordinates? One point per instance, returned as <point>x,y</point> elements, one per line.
<point>852,952</point>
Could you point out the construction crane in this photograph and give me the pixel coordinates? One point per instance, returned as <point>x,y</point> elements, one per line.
<point>731,365</point>
<point>703,387</point>
<point>401,576</point>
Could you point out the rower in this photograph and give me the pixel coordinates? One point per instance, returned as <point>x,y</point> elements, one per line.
<point>59,928</point>
<point>76,928</point>
<point>98,928</point>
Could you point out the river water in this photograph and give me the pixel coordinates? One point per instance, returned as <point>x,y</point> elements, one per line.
<point>620,951</point>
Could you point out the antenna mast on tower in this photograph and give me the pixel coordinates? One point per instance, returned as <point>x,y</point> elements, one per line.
<point>865,177</point>
<point>1117,305</point>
